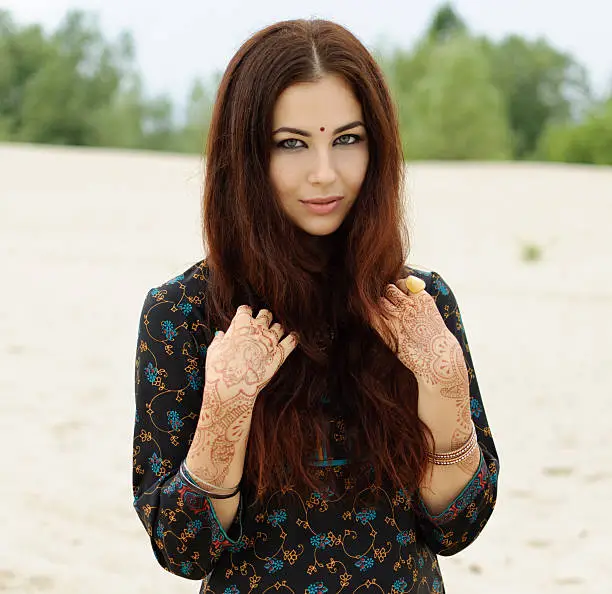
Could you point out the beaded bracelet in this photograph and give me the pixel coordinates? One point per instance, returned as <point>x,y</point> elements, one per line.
<point>458,455</point>
<point>194,481</point>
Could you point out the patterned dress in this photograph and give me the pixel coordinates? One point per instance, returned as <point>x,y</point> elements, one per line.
<point>329,542</point>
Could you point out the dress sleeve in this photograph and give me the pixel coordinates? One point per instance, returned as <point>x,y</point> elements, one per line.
<point>462,521</point>
<point>185,534</point>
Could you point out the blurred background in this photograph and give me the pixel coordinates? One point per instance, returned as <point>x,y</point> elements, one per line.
<point>473,80</point>
<point>506,120</point>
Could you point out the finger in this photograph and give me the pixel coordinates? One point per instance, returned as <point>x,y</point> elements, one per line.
<point>401,285</point>
<point>389,308</point>
<point>288,344</point>
<point>414,284</point>
<point>264,317</point>
<point>277,329</point>
<point>244,315</point>
<point>244,309</point>
<point>394,295</point>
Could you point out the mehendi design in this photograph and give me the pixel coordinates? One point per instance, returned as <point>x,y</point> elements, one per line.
<point>430,350</point>
<point>427,347</point>
<point>238,365</point>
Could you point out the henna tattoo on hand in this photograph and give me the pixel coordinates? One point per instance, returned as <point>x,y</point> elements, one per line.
<point>239,364</point>
<point>430,350</point>
<point>425,345</point>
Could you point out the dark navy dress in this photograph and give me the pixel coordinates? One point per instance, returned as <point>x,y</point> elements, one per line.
<point>325,543</point>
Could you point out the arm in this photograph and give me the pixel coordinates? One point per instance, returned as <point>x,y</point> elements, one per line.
<point>186,534</point>
<point>215,458</point>
<point>456,502</point>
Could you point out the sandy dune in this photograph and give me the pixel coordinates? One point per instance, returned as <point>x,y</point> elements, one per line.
<point>85,233</point>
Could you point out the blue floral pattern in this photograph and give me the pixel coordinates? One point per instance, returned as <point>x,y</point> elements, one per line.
<point>320,541</point>
<point>169,331</point>
<point>174,420</point>
<point>365,516</point>
<point>277,517</point>
<point>326,542</point>
<point>365,563</point>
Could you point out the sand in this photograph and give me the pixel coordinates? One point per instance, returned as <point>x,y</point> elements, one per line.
<point>85,233</point>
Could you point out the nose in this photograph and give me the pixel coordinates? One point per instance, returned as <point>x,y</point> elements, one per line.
<point>323,171</point>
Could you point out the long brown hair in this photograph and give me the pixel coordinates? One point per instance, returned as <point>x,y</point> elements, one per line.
<point>256,255</point>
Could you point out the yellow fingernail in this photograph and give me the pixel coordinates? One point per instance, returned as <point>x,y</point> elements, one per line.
<point>415,284</point>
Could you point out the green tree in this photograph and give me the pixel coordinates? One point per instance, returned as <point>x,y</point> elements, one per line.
<point>589,141</point>
<point>541,86</point>
<point>445,24</point>
<point>75,87</point>
<point>62,81</point>
<point>452,110</point>
<point>198,114</point>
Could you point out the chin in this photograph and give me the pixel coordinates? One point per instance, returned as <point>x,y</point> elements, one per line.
<point>320,228</point>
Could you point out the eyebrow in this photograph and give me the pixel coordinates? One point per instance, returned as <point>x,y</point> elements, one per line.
<point>308,134</point>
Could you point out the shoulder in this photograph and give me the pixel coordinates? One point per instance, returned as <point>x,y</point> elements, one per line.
<point>435,285</point>
<point>177,303</point>
<point>189,286</point>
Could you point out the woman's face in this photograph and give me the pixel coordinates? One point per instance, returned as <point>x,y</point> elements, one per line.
<point>323,155</point>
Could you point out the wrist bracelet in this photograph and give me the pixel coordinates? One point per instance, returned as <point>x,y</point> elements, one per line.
<point>194,481</point>
<point>458,455</point>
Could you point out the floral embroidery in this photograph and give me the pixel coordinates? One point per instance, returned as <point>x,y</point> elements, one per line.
<point>151,374</point>
<point>194,527</point>
<point>156,463</point>
<point>365,516</point>
<point>475,407</point>
<point>316,588</point>
<point>168,329</point>
<point>274,565</point>
<point>442,288</point>
<point>365,563</point>
<point>405,537</point>
<point>277,517</point>
<point>320,541</point>
<point>175,420</point>
<point>185,308</point>
<point>194,380</point>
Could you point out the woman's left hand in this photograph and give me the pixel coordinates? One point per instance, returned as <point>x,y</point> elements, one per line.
<point>430,350</point>
<point>425,345</point>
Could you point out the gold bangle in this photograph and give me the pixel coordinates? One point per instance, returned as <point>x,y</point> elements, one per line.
<point>458,455</point>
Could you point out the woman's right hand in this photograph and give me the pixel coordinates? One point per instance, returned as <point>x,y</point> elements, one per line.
<point>244,359</point>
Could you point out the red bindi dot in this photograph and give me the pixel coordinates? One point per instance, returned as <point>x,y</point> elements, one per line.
<point>322,129</point>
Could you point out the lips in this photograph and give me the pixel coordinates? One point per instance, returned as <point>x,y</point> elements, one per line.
<point>322,206</point>
<point>324,200</point>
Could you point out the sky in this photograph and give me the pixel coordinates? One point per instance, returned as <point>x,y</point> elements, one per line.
<point>179,40</point>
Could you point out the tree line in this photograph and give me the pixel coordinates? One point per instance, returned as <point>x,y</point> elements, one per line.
<point>460,96</point>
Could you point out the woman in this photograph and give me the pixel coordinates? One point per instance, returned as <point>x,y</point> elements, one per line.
<point>307,414</point>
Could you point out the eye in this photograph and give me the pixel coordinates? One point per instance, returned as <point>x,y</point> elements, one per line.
<point>356,138</point>
<point>282,144</point>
